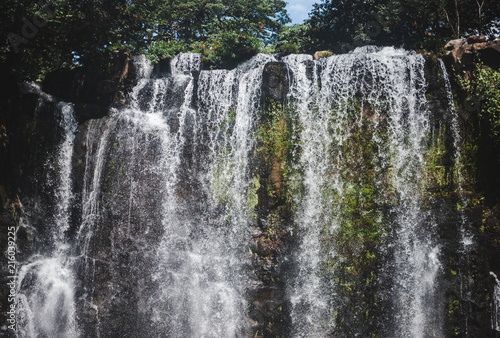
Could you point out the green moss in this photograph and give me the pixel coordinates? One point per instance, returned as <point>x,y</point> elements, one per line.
<point>481,87</point>
<point>362,225</point>
<point>220,184</point>
<point>273,132</point>
<point>275,147</point>
<point>453,307</point>
<point>356,207</point>
<point>231,115</point>
<point>252,196</point>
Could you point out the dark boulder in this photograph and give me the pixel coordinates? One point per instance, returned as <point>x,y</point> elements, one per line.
<point>275,81</point>
<point>93,90</point>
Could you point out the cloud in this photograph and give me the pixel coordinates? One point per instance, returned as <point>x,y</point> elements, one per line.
<point>299,10</point>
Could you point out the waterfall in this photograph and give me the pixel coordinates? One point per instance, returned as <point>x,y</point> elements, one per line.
<point>309,305</point>
<point>466,237</point>
<point>203,249</point>
<point>45,283</point>
<point>332,97</point>
<point>187,226</point>
<point>416,251</point>
<point>157,206</point>
<point>495,311</point>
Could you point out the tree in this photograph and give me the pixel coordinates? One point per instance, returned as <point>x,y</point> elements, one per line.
<point>225,31</point>
<point>292,39</point>
<point>343,25</point>
<point>51,34</point>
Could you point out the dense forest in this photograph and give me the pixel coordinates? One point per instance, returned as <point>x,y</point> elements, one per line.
<point>38,37</point>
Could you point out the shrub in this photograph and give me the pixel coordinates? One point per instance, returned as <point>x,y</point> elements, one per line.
<point>165,49</point>
<point>228,48</point>
<point>482,89</point>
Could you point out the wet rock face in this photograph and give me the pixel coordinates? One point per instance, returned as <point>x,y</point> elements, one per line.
<point>29,130</point>
<point>268,311</point>
<point>91,90</point>
<point>120,251</point>
<point>275,81</point>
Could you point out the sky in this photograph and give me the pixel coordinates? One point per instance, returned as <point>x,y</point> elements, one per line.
<point>299,9</point>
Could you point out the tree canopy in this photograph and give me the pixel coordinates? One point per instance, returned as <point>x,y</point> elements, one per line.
<point>44,35</point>
<point>50,34</point>
<point>341,25</point>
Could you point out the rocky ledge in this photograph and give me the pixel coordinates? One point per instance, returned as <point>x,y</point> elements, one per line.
<point>461,52</point>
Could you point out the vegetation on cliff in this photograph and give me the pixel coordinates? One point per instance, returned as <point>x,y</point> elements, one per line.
<point>42,36</point>
<point>55,34</point>
<point>344,25</point>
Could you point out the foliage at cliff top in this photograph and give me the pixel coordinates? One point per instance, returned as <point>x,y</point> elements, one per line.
<point>45,35</point>
<point>341,26</point>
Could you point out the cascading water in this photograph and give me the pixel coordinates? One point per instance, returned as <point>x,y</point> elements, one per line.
<point>466,237</point>
<point>155,207</point>
<point>203,248</point>
<point>209,252</point>
<point>310,310</point>
<point>185,230</point>
<point>416,251</point>
<point>45,283</point>
<point>324,94</point>
<point>495,311</point>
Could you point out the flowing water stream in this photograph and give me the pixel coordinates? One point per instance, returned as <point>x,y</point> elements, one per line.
<point>159,244</point>
<point>45,284</point>
<point>387,81</point>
